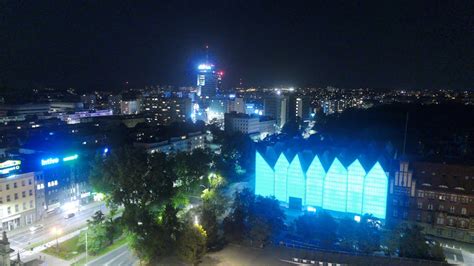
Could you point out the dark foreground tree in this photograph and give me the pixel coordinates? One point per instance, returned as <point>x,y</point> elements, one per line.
<point>192,244</point>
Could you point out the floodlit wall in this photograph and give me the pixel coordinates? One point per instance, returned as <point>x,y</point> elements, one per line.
<point>355,187</point>
<point>341,189</point>
<point>375,192</point>
<point>265,178</point>
<point>314,183</point>
<point>335,187</point>
<point>281,173</point>
<point>296,180</point>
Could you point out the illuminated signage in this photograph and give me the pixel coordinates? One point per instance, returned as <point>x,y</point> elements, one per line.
<point>348,189</point>
<point>49,161</point>
<point>70,158</point>
<point>9,166</point>
<point>204,67</point>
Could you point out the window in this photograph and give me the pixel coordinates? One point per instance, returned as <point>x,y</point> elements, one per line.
<point>441,207</point>
<point>7,186</point>
<point>1,200</point>
<point>430,206</point>
<point>450,221</point>
<point>16,196</point>
<point>31,203</point>
<point>454,198</point>
<point>9,210</point>
<point>17,209</point>
<point>440,220</point>
<point>23,194</point>
<point>8,198</point>
<point>420,205</point>
<point>15,185</point>
<point>452,209</point>
<point>463,224</point>
<point>464,199</point>
<point>442,197</point>
<point>418,216</point>
<point>30,181</point>
<point>22,183</point>
<point>24,205</point>
<point>31,192</point>
<point>463,211</point>
<point>420,194</point>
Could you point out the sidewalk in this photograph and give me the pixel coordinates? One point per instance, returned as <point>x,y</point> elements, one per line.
<point>48,260</point>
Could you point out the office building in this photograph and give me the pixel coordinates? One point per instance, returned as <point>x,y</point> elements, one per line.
<point>163,111</point>
<point>277,107</point>
<point>207,80</point>
<point>248,124</point>
<point>130,107</point>
<point>114,103</point>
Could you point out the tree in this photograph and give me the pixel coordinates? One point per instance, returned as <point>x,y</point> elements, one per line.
<point>368,234</point>
<point>413,244</point>
<point>348,234</point>
<point>320,226</point>
<point>192,244</point>
<point>260,231</point>
<point>144,185</point>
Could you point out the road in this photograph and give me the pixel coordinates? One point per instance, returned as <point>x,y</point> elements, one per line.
<point>21,240</point>
<point>121,256</point>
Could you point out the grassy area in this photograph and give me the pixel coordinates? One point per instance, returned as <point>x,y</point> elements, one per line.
<point>118,243</point>
<point>67,249</point>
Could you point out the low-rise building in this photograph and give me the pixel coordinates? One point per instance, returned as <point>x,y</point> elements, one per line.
<point>17,199</point>
<point>185,143</point>
<point>248,124</point>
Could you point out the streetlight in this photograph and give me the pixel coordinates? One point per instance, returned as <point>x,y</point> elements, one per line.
<point>57,231</point>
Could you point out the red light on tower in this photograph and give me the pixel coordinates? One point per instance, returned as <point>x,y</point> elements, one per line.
<point>220,73</point>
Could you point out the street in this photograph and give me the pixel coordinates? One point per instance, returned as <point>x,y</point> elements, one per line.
<point>121,256</point>
<point>21,240</point>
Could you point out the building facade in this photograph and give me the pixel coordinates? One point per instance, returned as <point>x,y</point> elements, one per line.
<point>17,200</point>
<point>159,110</point>
<point>439,197</point>
<point>302,181</point>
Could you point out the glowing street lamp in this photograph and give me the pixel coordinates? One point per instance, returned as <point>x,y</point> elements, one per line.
<point>56,232</point>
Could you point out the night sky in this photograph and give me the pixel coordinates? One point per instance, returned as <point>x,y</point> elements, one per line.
<point>102,44</point>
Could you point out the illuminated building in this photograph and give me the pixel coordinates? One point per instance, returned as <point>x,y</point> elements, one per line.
<point>207,80</point>
<point>17,200</point>
<point>344,189</point>
<point>160,110</point>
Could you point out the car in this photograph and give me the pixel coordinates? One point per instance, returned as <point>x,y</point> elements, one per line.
<point>36,228</point>
<point>69,215</point>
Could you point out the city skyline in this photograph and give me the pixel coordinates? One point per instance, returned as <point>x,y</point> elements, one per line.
<point>416,45</point>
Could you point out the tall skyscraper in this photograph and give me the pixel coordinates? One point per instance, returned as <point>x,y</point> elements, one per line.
<point>207,80</point>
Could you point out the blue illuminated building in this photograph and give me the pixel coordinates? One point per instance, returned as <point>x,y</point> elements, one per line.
<point>342,188</point>
<point>207,80</point>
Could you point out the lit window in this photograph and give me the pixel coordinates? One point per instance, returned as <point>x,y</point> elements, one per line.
<point>463,211</point>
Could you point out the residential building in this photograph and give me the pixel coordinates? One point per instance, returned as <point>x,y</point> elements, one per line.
<point>439,197</point>
<point>17,200</point>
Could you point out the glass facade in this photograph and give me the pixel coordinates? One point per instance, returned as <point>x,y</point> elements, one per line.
<point>281,174</point>
<point>335,187</point>
<point>375,192</point>
<point>264,185</point>
<point>296,180</point>
<point>314,183</point>
<point>341,189</point>
<point>355,187</point>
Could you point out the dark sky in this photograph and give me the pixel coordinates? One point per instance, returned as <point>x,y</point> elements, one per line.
<point>102,44</point>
